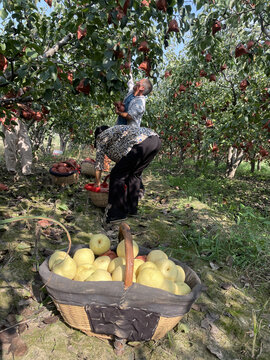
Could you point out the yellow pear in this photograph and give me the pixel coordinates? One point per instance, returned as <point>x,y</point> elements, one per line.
<point>150,277</point>
<point>83,273</point>
<point>168,268</point>
<point>102,262</point>
<point>120,250</point>
<point>119,274</point>
<point>168,285</point>
<point>146,265</point>
<point>182,288</point>
<point>58,254</point>
<point>116,262</point>
<point>66,267</point>
<point>84,256</point>
<point>100,275</point>
<point>99,243</point>
<point>156,255</point>
<point>180,274</point>
<point>137,263</point>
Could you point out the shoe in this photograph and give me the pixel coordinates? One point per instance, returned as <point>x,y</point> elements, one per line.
<point>12,172</point>
<point>133,213</point>
<point>114,220</point>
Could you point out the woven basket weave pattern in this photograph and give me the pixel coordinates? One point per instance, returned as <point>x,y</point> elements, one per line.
<point>87,168</point>
<point>65,180</point>
<point>99,199</point>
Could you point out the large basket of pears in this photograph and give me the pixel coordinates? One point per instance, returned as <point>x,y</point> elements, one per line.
<point>124,293</point>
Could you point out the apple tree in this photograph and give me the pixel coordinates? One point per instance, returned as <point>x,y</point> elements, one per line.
<point>82,49</point>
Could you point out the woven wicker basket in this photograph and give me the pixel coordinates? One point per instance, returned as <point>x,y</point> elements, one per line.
<point>106,309</point>
<point>88,168</point>
<point>99,199</point>
<point>65,180</point>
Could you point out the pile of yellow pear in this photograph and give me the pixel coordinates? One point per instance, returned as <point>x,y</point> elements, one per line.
<point>99,263</point>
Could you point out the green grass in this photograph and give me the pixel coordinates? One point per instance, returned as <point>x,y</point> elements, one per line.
<point>244,201</point>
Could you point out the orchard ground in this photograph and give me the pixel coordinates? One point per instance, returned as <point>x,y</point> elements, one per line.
<point>218,227</point>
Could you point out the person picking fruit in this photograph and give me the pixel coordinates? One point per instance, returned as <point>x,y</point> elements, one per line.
<point>132,149</point>
<point>133,107</point>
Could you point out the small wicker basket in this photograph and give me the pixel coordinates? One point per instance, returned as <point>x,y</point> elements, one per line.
<point>65,179</point>
<point>99,197</point>
<point>88,168</point>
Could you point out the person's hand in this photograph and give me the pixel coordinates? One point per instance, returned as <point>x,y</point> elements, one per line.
<point>117,111</point>
<point>97,183</point>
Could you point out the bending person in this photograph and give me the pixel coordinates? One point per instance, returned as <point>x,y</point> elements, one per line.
<point>132,149</point>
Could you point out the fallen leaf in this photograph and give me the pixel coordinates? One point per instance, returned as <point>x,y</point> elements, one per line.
<point>8,335</point>
<point>226,286</point>
<point>51,319</point>
<point>18,347</point>
<point>44,223</point>
<point>214,266</point>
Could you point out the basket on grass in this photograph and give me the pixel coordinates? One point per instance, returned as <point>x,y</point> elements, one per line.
<point>88,167</point>
<point>116,310</point>
<point>64,173</point>
<point>99,195</point>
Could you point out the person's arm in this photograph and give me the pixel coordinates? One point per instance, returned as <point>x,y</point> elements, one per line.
<point>98,177</point>
<point>123,114</point>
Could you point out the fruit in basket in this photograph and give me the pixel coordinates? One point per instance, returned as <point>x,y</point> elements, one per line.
<point>84,256</point>
<point>66,267</point>
<point>167,268</point>
<point>102,262</point>
<point>137,264</point>
<point>180,274</point>
<point>150,277</point>
<point>182,288</point>
<point>156,255</point>
<point>112,254</point>
<point>146,265</point>
<point>120,250</point>
<point>116,262</point>
<point>142,257</point>
<point>100,275</point>
<point>58,254</point>
<point>168,285</point>
<point>119,274</point>
<point>99,243</point>
<point>84,272</point>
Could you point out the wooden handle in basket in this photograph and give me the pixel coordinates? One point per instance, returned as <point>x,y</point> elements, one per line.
<point>124,233</point>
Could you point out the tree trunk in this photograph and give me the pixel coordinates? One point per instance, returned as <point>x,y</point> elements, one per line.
<point>63,142</point>
<point>49,145</point>
<point>252,165</point>
<point>259,163</point>
<point>234,159</point>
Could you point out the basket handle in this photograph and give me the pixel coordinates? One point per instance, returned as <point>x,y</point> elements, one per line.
<point>69,163</point>
<point>124,233</point>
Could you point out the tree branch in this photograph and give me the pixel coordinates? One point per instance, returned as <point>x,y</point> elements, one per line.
<point>263,27</point>
<point>58,46</point>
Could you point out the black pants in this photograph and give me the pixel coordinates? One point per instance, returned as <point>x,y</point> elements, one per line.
<point>128,172</point>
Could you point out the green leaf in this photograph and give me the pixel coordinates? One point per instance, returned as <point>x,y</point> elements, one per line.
<point>3,14</point>
<point>48,95</point>
<point>63,207</point>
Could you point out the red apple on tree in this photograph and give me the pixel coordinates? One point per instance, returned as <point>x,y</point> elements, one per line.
<point>161,5</point>
<point>173,26</point>
<point>240,50</point>
<point>3,63</point>
<point>143,47</point>
<point>216,27</point>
